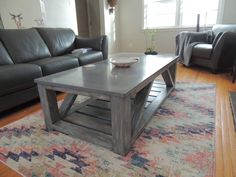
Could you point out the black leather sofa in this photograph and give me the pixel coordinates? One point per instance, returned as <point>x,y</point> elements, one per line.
<point>28,54</point>
<point>214,49</point>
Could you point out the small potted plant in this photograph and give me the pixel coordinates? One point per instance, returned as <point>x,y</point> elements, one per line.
<point>150,36</point>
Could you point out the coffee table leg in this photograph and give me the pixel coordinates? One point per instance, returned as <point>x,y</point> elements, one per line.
<point>49,105</point>
<point>169,75</point>
<point>121,124</point>
<point>66,104</point>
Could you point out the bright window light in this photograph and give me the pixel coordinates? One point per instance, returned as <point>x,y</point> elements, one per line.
<point>179,13</point>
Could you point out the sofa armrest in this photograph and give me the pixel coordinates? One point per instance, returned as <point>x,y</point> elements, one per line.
<point>224,52</point>
<point>98,43</point>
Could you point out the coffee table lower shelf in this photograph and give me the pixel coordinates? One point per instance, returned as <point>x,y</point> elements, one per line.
<point>91,121</point>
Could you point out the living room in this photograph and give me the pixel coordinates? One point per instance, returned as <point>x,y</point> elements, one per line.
<point>182,114</point>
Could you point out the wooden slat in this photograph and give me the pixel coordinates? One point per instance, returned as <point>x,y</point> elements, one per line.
<point>101,104</point>
<point>150,98</point>
<point>146,105</point>
<point>159,83</point>
<point>77,106</point>
<point>153,93</point>
<point>89,122</point>
<point>96,112</point>
<point>157,89</point>
<point>84,133</point>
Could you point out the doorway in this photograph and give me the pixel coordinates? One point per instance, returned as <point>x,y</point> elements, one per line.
<point>88,18</point>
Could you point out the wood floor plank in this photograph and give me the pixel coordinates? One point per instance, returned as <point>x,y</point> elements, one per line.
<point>90,122</point>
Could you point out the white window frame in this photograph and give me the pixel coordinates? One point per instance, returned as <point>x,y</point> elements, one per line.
<point>219,18</point>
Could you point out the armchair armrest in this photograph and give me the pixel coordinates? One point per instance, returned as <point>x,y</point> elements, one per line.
<point>98,43</point>
<point>224,52</point>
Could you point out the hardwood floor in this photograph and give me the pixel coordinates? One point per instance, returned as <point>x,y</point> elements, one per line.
<point>225,133</point>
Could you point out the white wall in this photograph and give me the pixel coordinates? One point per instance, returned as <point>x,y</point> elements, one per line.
<point>30,10</point>
<point>229,15</point>
<point>59,13</point>
<point>132,37</point>
<point>54,13</point>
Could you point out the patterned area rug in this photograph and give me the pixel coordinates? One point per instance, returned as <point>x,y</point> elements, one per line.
<point>178,142</point>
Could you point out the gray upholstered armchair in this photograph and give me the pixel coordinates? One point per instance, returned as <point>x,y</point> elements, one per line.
<point>215,49</point>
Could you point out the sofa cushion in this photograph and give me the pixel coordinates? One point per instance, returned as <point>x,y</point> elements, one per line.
<point>202,51</point>
<point>91,56</point>
<point>24,45</point>
<point>18,77</point>
<point>5,59</point>
<point>58,40</point>
<point>56,64</point>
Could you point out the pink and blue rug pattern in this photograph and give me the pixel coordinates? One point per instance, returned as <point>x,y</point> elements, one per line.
<point>178,142</point>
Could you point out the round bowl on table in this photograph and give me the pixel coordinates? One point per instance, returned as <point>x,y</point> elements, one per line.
<point>124,62</point>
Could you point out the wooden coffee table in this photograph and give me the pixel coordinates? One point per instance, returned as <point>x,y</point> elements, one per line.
<point>121,100</point>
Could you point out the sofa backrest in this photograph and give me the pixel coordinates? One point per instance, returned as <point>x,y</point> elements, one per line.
<point>24,45</point>
<point>220,28</point>
<point>5,59</point>
<point>58,40</point>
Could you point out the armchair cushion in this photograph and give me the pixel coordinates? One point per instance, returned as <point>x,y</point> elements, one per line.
<point>202,51</point>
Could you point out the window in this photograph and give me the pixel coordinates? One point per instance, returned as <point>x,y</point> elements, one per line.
<point>179,13</point>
